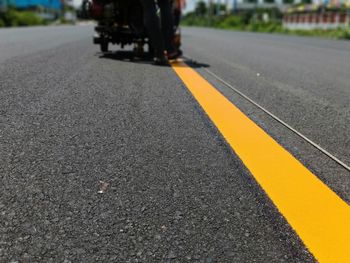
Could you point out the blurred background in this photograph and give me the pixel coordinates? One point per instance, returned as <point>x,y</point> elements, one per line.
<point>301,17</point>
<point>330,18</point>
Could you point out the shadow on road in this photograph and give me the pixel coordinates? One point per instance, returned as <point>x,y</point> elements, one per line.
<point>129,56</point>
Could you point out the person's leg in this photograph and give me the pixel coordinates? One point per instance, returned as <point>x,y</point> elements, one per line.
<point>167,22</point>
<point>152,25</point>
<point>177,18</point>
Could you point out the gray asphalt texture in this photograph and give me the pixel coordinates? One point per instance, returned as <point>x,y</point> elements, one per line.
<point>70,118</point>
<point>303,81</point>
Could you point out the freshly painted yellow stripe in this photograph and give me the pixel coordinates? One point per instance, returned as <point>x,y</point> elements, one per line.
<point>316,213</point>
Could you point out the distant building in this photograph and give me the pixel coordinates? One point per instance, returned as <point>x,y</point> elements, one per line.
<point>308,17</point>
<point>252,4</point>
<point>28,4</point>
<point>309,21</point>
<point>281,4</point>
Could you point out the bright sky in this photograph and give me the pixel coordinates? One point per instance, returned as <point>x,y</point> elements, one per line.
<point>190,5</point>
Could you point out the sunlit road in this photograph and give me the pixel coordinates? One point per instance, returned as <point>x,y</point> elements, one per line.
<point>107,159</point>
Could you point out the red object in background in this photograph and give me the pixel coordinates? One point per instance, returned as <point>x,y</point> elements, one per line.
<point>317,20</point>
<point>342,18</point>
<point>296,18</point>
<point>96,9</point>
<point>301,18</point>
<point>180,4</point>
<point>324,18</point>
<point>310,18</point>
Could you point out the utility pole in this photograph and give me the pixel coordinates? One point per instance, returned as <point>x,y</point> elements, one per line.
<point>218,7</point>
<point>234,6</point>
<point>210,12</point>
<point>226,7</point>
<point>63,9</point>
<point>210,8</point>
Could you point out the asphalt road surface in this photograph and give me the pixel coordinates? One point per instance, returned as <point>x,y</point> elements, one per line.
<point>74,122</point>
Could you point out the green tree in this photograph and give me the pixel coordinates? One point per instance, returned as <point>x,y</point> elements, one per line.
<point>201,8</point>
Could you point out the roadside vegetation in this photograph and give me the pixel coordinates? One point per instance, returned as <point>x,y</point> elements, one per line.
<point>36,16</point>
<point>14,17</point>
<point>258,20</point>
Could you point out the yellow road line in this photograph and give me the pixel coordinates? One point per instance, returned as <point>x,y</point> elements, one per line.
<point>315,212</point>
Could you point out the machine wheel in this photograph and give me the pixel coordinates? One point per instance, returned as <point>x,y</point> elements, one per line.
<point>138,50</point>
<point>150,50</point>
<point>104,46</point>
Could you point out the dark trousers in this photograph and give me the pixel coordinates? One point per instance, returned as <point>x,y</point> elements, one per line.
<point>161,33</point>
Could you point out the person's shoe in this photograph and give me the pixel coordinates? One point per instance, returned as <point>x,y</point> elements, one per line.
<point>161,61</point>
<point>174,55</point>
